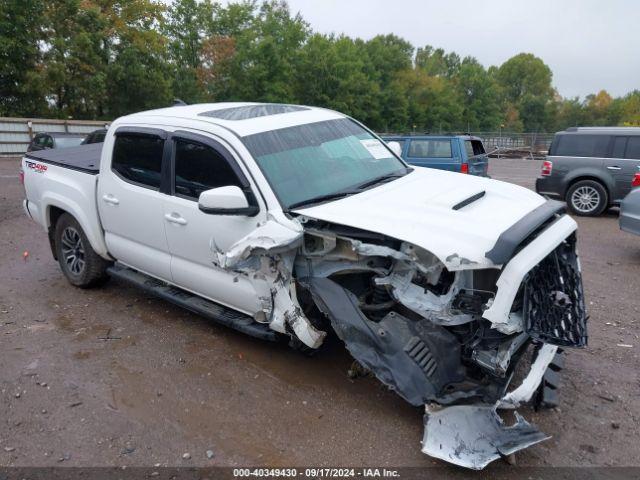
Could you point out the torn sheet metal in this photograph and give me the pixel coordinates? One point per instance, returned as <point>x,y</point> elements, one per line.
<point>269,238</point>
<point>473,436</point>
<point>425,303</point>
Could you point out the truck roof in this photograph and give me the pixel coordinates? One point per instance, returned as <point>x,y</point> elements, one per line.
<point>242,118</point>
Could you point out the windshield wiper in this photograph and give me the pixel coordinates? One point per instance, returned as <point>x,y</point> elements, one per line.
<point>322,198</point>
<point>382,179</point>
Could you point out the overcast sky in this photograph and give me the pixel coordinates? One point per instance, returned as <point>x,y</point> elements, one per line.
<point>588,44</point>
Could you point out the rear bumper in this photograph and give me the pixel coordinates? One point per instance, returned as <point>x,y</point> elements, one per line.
<point>548,187</point>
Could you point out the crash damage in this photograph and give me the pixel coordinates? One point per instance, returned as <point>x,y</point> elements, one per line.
<point>445,332</point>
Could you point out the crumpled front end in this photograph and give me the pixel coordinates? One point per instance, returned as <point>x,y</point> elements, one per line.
<point>450,336</point>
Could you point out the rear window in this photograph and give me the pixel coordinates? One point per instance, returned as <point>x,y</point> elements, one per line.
<point>138,159</point>
<point>430,149</point>
<point>473,147</point>
<point>581,145</point>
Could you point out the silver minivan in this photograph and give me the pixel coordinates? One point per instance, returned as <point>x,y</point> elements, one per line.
<point>591,168</point>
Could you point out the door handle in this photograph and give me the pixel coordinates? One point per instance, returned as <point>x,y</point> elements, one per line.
<point>175,218</point>
<point>614,167</point>
<point>108,198</point>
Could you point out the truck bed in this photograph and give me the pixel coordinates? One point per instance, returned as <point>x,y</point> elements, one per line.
<point>84,158</point>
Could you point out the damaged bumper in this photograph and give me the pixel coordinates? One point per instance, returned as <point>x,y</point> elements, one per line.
<point>448,338</point>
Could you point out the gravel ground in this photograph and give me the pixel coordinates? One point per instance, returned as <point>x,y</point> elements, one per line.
<point>112,377</point>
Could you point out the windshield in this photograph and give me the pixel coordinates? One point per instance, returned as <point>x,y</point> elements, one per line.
<point>66,142</point>
<point>320,159</point>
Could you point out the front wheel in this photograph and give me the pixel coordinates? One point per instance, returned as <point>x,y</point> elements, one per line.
<point>587,198</point>
<point>82,266</point>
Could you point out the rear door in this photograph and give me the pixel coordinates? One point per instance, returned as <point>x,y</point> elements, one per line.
<point>476,157</point>
<point>433,153</point>
<point>201,163</point>
<point>623,164</point>
<point>130,201</point>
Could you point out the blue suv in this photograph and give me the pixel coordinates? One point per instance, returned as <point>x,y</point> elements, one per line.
<point>456,153</point>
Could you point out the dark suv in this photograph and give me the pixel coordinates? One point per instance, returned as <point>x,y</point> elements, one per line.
<point>591,168</point>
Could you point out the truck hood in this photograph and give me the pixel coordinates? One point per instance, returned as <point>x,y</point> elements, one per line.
<point>456,217</point>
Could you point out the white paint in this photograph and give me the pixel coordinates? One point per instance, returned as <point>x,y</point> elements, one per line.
<point>515,271</point>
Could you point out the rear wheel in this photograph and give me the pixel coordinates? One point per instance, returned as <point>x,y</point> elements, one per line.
<point>587,198</point>
<point>82,266</point>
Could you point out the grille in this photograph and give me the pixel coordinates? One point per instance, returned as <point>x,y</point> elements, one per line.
<point>553,300</point>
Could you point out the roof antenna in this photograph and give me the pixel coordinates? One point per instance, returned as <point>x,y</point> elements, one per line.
<point>178,103</point>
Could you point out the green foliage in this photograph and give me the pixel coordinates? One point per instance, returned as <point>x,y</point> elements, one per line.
<point>105,58</point>
<point>20,31</point>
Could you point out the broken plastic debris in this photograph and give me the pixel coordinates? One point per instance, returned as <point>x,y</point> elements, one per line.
<point>473,436</point>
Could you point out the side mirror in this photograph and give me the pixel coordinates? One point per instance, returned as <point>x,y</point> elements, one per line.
<point>228,200</point>
<point>395,148</point>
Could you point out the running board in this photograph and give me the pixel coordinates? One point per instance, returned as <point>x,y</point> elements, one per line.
<point>206,308</point>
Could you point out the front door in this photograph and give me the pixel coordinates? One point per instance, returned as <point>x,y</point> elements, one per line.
<point>130,201</point>
<point>201,163</point>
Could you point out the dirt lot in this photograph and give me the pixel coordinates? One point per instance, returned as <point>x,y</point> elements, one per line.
<point>111,377</point>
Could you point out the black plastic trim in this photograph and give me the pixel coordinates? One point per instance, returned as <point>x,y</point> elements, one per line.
<point>250,211</point>
<point>510,239</point>
<point>468,201</point>
<point>153,132</point>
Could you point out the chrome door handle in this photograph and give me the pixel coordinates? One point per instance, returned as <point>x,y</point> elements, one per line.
<point>614,167</point>
<point>108,198</point>
<point>175,218</point>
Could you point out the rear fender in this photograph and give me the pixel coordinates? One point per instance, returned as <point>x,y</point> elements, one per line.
<point>91,228</point>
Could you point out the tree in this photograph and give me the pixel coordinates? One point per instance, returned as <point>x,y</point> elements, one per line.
<point>187,24</point>
<point>435,62</point>
<point>525,81</point>
<point>20,32</point>
<point>267,47</point>
<point>432,102</point>
<point>479,94</point>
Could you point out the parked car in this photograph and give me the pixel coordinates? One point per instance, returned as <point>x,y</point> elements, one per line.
<point>46,141</point>
<point>630,208</point>
<point>97,136</point>
<point>459,153</point>
<point>591,168</point>
<point>293,222</point>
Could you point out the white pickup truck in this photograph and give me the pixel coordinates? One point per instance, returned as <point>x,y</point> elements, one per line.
<point>294,222</point>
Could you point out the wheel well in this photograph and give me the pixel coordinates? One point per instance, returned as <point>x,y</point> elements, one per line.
<point>54,215</point>
<point>595,179</point>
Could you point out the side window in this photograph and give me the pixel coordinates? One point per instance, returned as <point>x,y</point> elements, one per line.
<point>580,145</point>
<point>430,149</point>
<point>619,144</point>
<point>39,140</point>
<point>48,141</point>
<point>633,148</point>
<point>138,158</point>
<point>199,168</point>
<point>468,148</point>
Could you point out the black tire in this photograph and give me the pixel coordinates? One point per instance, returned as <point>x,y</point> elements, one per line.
<point>587,198</point>
<point>82,266</point>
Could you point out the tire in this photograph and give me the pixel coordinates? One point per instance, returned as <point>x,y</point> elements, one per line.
<point>587,198</point>
<point>82,266</point>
